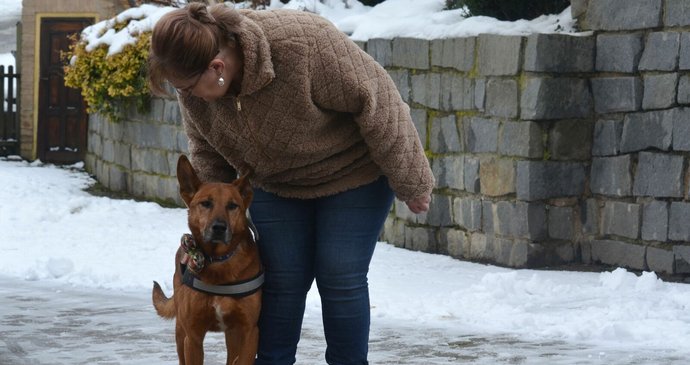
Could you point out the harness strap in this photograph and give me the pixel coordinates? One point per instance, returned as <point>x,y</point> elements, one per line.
<point>236,289</point>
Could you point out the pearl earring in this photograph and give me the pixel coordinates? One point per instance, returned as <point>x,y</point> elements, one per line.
<point>221,81</point>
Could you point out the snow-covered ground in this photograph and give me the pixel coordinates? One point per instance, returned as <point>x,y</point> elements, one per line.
<point>54,232</point>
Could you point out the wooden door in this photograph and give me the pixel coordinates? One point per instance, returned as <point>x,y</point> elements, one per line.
<point>62,118</point>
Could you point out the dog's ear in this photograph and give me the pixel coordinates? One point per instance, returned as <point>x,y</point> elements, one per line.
<point>245,189</point>
<point>186,176</point>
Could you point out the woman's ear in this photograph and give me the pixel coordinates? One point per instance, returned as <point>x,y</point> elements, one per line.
<point>218,66</point>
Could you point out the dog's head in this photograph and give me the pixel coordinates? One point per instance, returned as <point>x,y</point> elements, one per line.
<point>217,211</point>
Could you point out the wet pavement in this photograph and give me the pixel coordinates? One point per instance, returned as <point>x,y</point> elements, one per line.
<point>42,323</point>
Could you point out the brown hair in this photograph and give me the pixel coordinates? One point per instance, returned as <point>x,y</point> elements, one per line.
<point>185,40</point>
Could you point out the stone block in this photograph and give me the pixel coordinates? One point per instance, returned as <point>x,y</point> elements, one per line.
<point>420,239</point>
<point>619,253</point>
<point>622,15</point>
<point>659,175</point>
<point>118,178</point>
<point>684,90</point>
<point>420,124</point>
<point>108,150</point>
<point>519,220</point>
<point>555,98</point>
<point>647,130</point>
<point>538,180</point>
<point>559,53</point>
<point>444,135</point>
<point>661,52</point>
<point>497,176</point>
<point>619,52</point>
<point>468,213</point>
<point>499,55</point>
<point>426,89</point>
<point>617,94</point>
<point>561,223</point>
<point>611,176</point>
<point>681,254</point>
<point>681,129</point>
<point>150,161</point>
<point>457,93</point>
<point>677,13</point>
<point>501,98</point>
<point>453,242</point>
<point>481,135</point>
<point>448,171</point>
<point>457,53</point>
<point>578,8</point>
<point>660,260</point>
<point>659,91</point>
<point>678,227</point>
<point>521,139</point>
<point>481,247</point>
<point>123,155</point>
<point>589,216</point>
<point>401,78</point>
<point>655,221</point>
<point>684,59</point>
<point>607,138</point>
<point>571,140</point>
<point>621,219</point>
<point>440,212</point>
<point>95,144</point>
<point>471,175</point>
<point>381,50</point>
<point>488,219</point>
<point>479,93</point>
<point>410,53</point>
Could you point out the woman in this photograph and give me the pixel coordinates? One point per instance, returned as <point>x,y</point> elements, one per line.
<point>286,97</point>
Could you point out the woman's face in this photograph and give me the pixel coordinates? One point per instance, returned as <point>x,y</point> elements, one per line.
<point>227,64</point>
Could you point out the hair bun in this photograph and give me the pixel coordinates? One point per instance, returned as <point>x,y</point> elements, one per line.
<point>199,12</point>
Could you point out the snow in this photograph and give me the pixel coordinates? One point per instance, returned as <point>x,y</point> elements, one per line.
<point>55,232</point>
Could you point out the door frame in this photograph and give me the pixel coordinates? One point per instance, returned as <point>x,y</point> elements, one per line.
<point>37,64</point>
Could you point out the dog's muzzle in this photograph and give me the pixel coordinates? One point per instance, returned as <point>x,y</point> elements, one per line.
<point>218,232</point>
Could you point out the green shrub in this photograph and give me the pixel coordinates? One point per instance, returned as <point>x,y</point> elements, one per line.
<point>110,84</point>
<point>510,9</point>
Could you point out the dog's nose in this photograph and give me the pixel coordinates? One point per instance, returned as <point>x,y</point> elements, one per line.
<point>219,227</point>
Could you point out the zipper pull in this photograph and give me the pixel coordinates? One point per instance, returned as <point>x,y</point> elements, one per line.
<point>239,105</point>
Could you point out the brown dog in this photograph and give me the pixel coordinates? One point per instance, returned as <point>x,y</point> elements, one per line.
<point>218,273</point>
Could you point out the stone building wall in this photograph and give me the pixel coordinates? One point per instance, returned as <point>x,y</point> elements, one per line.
<point>547,149</point>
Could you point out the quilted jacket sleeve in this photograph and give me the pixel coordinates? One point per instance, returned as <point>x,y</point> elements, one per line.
<point>346,79</point>
<point>209,165</point>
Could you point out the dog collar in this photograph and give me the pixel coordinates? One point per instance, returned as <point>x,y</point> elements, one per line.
<point>236,289</point>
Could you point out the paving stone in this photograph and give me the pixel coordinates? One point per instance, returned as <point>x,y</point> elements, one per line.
<point>677,13</point>
<point>426,89</point>
<point>681,129</point>
<point>481,135</point>
<point>660,260</point>
<point>381,50</point>
<point>501,98</point>
<point>453,242</point>
<point>678,227</point>
<point>448,171</point>
<point>519,220</point>
<point>499,55</point>
<point>410,53</point>
<point>468,213</point>
<point>457,93</point>
<point>571,140</point>
<point>471,175</point>
<point>561,223</point>
<point>444,135</point>
<point>497,176</point>
<point>440,211</point>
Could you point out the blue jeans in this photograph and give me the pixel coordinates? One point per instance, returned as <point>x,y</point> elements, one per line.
<point>332,240</point>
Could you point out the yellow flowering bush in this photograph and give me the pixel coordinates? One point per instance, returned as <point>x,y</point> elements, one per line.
<point>110,83</point>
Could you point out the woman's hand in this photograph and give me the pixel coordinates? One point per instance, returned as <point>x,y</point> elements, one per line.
<point>419,205</point>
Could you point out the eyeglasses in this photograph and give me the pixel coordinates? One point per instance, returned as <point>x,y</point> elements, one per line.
<point>187,90</point>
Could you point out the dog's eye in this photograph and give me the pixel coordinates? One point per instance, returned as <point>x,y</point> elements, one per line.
<point>207,204</point>
<point>232,206</point>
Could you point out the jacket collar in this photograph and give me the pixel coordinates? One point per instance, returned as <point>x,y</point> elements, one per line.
<point>258,67</point>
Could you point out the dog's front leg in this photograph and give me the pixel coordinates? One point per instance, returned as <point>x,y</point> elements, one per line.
<point>194,349</point>
<point>242,345</point>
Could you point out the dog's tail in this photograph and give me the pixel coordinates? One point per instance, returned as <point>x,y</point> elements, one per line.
<point>165,307</point>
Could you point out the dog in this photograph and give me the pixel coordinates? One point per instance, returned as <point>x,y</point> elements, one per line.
<point>218,274</point>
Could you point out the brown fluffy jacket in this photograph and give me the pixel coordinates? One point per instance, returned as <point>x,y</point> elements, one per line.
<point>315,116</point>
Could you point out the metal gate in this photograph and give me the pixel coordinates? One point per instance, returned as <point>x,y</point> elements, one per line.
<point>9,116</point>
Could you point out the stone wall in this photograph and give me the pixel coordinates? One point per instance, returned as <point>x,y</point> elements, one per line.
<point>547,149</point>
